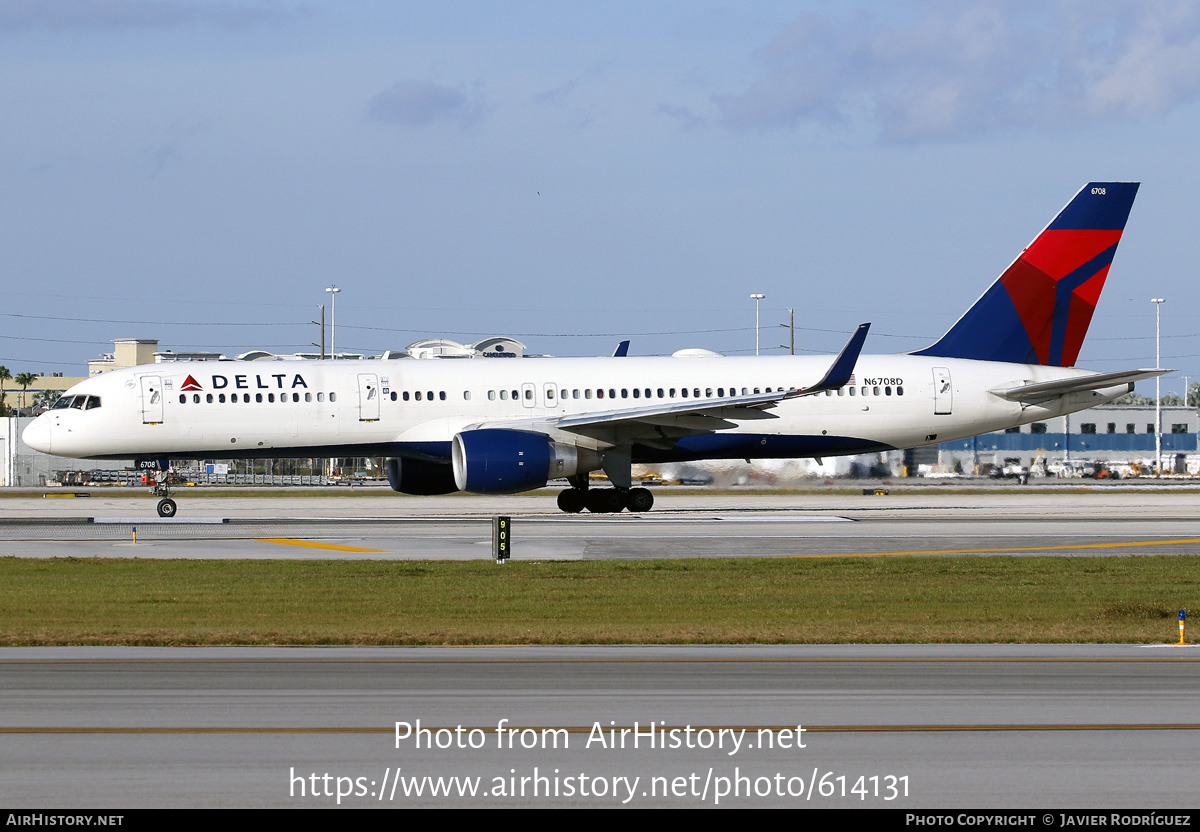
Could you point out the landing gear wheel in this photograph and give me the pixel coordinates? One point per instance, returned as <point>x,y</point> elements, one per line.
<point>166,508</point>
<point>639,500</point>
<point>604,500</point>
<point>572,500</point>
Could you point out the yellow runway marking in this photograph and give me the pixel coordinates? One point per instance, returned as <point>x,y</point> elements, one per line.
<point>287,541</point>
<point>1003,549</point>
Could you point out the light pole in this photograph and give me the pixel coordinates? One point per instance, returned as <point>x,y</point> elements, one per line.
<point>758,296</point>
<point>333,291</point>
<point>1158,302</point>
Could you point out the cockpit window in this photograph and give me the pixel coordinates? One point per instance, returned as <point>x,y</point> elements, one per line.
<point>76,403</point>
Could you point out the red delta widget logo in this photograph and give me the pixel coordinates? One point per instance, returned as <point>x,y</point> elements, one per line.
<point>274,381</point>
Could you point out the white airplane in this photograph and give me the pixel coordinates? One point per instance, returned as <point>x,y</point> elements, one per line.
<point>505,426</point>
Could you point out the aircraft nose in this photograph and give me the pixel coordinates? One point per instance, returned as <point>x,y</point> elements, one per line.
<point>37,435</point>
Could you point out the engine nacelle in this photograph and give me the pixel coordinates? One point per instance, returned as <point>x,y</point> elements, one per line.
<point>497,461</point>
<point>417,476</point>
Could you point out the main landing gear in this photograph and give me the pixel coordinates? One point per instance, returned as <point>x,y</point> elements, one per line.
<point>605,500</point>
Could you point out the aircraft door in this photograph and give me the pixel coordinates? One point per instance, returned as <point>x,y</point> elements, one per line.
<point>368,397</point>
<point>943,392</point>
<point>528,395</point>
<point>152,400</point>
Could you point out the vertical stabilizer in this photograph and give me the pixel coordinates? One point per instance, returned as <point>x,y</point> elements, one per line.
<point>1038,311</point>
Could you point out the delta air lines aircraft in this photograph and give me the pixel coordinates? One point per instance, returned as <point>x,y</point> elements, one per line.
<point>505,426</point>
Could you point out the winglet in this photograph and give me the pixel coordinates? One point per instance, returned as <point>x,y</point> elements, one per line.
<point>843,366</point>
<point>622,350</point>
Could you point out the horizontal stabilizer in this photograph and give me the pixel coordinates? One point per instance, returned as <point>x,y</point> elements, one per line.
<point>1043,390</point>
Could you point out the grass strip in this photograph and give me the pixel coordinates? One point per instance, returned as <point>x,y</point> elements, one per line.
<point>104,601</point>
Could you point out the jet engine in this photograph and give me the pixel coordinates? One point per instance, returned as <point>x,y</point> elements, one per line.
<point>418,476</point>
<point>498,461</point>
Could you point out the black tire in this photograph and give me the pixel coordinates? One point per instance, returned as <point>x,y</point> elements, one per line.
<point>639,500</point>
<point>572,500</point>
<point>604,500</point>
<point>166,508</point>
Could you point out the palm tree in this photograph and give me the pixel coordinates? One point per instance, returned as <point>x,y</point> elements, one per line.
<point>42,400</point>
<point>24,379</point>
<point>5,375</point>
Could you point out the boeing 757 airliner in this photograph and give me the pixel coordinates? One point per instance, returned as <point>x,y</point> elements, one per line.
<point>504,426</point>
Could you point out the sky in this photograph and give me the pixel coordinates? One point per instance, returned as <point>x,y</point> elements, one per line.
<point>574,174</point>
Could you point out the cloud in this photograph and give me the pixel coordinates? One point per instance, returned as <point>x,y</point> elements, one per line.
<point>170,149</point>
<point>955,69</point>
<point>688,120</point>
<point>559,95</point>
<point>64,15</point>
<point>420,103</point>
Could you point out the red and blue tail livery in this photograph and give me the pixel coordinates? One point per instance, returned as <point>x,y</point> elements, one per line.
<point>1039,310</point>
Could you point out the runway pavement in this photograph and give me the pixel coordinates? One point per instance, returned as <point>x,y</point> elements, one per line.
<point>901,726</point>
<point>695,524</point>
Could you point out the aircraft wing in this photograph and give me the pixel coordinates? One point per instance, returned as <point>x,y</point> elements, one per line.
<point>664,423</point>
<point>660,425</point>
<point>1043,390</point>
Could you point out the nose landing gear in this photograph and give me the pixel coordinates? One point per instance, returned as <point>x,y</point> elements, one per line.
<point>166,506</point>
